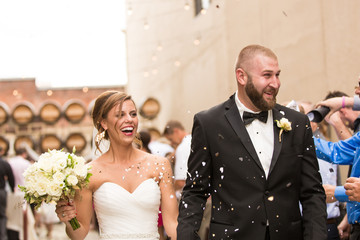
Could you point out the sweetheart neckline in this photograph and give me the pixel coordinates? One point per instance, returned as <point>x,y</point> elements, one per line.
<point>131,193</point>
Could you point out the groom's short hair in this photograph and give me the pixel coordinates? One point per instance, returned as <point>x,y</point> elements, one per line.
<point>249,52</point>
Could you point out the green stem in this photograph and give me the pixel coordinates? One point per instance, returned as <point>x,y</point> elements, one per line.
<point>74,223</point>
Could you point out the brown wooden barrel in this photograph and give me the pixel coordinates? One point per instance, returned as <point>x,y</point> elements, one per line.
<point>50,112</point>
<point>150,108</point>
<point>75,139</point>
<point>20,140</point>
<point>50,141</point>
<point>4,113</point>
<point>74,111</point>
<point>4,143</point>
<point>23,113</point>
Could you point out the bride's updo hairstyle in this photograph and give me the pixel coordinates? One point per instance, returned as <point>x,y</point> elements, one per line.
<point>103,104</point>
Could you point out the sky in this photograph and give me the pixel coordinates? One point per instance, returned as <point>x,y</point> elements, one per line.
<point>67,43</point>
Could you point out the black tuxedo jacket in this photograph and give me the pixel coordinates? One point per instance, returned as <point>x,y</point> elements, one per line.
<point>223,164</point>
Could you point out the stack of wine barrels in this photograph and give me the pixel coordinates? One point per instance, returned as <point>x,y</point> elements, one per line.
<point>24,114</point>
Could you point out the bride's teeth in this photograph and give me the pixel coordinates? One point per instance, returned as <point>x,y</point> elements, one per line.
<point>127,129</point>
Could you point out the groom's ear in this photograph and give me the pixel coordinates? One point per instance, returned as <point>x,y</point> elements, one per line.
<point>241,76</point>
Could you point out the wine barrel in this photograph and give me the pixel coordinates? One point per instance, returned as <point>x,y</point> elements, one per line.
<point>74,111</point>
<point>150,108</point>
<point>21,140</point>
<point>4,144</point>
<point>50,112</point>
<point>75,139</point>
<point>4,113</point>
<point>23,113</point>
<point>50,141</point>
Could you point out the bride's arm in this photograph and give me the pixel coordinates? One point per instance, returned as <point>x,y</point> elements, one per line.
<point>169,205</point>
<point>81,208</point>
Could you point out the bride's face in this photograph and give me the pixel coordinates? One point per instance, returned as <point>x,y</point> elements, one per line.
<point>122,123</point>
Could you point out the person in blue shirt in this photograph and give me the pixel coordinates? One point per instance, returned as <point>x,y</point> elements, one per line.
<point>345,152</point>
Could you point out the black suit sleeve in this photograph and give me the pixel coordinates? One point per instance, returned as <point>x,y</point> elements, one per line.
<point>312,194</point>
<point>197,187</point>
<point>10,176</point>
<point>6,173</point>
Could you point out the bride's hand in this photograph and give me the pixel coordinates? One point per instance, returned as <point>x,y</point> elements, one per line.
<point>65,210</point>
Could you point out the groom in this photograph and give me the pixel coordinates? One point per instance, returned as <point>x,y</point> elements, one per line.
<point>256,171</point>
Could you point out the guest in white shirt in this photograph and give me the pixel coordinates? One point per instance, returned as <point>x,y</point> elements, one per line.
<point>19,164</point>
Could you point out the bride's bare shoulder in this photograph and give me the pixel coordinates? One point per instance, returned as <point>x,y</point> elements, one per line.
<point>97,164</point>
<point>158,164</point>
<point>154,159</point>
<point>99,172</point>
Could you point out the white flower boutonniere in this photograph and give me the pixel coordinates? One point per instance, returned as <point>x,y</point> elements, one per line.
<point>284,125</point>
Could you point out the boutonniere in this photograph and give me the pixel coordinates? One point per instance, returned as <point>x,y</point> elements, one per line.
<point>284,125</point>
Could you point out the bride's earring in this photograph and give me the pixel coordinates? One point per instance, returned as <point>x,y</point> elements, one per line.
<point>100,136</point>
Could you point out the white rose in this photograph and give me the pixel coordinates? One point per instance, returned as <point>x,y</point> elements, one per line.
<point>284,124</point>
<point>45,164</point>
<point>30,183</point>
<point>41,188</point>
<point>28,177</point>
<point>81,171</point>
<point>59,160</point>
<point>78,160</point>
<point>54,189</point>
<point>69,171</point>
<point>60,164</point>
<point>59,177</point>
<point>72,180</point>
<point>53,160</point>
<point>31,170</point>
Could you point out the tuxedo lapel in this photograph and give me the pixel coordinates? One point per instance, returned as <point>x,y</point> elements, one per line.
<point>277,144</point>
<point>233,116</point>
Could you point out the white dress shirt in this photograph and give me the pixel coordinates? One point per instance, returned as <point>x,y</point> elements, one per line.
<point>182,153</point>
<point>261,135</point>
<point>328,172</point>
<point>19,165</point>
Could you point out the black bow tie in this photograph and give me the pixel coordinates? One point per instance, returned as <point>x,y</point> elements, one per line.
<point>249,117</point>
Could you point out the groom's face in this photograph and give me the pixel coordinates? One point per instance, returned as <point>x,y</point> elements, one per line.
<point>263,82</point>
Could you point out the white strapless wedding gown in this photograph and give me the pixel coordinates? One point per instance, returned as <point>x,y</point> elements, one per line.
<point>124,215</point>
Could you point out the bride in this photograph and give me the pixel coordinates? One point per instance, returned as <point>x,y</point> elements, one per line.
<point>127,186</point>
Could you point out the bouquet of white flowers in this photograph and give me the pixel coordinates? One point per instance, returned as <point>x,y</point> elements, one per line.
<point>56,175</point>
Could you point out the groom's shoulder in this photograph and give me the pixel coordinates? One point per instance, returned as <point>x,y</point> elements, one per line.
<point>218,109</point>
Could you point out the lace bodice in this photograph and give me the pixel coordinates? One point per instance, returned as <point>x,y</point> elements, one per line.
<point>125,215</point>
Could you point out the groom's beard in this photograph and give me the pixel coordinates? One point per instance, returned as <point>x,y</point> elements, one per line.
<point>257,98</point>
